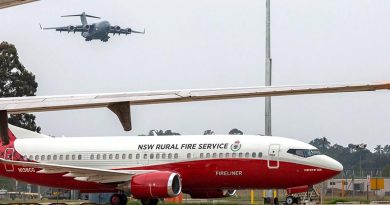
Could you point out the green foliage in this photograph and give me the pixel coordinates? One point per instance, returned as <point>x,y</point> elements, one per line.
<point>352,156</point>
<point>235,131</point>
<point>335,201</point>
<point>208,132</point>
<point>161,132</point>
<point>16,81</point>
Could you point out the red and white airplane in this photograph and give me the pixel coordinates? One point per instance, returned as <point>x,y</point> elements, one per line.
<point>153,167</point>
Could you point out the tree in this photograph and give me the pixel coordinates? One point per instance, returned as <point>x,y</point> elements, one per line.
<point>321,143</point>
<point>379,150</point>
<point>16,81</point>
<point>235,131</point>
<point>161,132</point>
<point>208,132</point>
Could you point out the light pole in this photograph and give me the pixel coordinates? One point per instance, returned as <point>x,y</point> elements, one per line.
<point>361,147</point>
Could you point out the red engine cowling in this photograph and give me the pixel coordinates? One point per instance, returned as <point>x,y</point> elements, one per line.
<point>207,194</point>
<point>159,184</point>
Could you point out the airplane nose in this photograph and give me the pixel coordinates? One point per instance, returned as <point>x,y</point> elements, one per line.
<point>332,164</point>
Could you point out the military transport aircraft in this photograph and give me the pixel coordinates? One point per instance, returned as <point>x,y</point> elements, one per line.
<point>151,167</point>
<point>95,31</point>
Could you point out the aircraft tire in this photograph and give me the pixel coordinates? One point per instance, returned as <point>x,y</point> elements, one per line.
<point>118,199</point>
<point>149,201</point>
<point>290,200</point>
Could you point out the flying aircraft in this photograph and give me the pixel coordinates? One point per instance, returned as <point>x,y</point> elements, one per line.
<point>151,167</point>
<point>95,31</point>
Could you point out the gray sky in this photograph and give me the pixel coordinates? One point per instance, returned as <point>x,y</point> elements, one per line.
<point>213,43</point>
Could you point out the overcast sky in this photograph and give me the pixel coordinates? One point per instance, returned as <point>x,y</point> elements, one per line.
<point>213,43</point>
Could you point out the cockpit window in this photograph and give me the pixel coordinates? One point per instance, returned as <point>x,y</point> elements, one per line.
<point>304,152</point>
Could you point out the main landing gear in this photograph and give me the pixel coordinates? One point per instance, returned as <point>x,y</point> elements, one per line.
<point>118,199</point>
<point>149,201</point>
<point>292,200</point>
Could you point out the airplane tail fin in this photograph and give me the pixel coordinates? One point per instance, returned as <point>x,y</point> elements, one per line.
<point>83,17</point>
<point>21,133</point>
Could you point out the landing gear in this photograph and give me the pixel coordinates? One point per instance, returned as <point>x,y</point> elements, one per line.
<point>292,200</point>
<point>149,201</point>
<point>118,199</point>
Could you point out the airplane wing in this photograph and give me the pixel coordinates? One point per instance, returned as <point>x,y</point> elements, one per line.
<point>117,30</point>
<point>10,3</point>
<point>120,103</point>
<point>71,28</point>
<point>80,173</point>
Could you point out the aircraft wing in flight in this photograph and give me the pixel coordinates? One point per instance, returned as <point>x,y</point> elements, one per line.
<point>71,28</point>
<point>118,30</point>
<point>80,173</point>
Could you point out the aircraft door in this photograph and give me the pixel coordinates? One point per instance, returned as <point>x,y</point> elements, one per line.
<point>273,156</point>
<point>9,155</point>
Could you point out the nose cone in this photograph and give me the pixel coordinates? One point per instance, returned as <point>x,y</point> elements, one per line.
<point>332,164</point>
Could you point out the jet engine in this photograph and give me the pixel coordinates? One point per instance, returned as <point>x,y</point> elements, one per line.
<point>159,184</point>
<point>71,28</point>
<point>87,27</point>
<point>207,194</point>
<point>117,28</point>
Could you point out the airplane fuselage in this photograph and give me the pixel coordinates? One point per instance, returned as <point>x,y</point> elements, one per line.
<point>205,162</point>
<point>98,31</point>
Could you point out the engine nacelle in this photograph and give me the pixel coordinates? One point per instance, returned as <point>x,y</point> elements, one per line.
<point>129,30</point>
<point>159,184</point>
<point>207,194</point>
<point>117,28</point>
<point>87,27</point>
<point>71,28</point>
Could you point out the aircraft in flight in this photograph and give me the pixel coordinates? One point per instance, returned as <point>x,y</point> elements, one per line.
<point>95,31</point>
<point>152,167</point>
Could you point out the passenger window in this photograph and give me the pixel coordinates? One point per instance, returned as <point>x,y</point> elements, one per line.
<point>145,156</point>
<point>31,157</point>
<point>130,156</point>
<point>170,156</point>
<point>123,156</point>
<point>208,155</point>
<point>240,155</point>
<point>61,157</point>
<point>234,155</point>
<point>253,154</point>
<point>151,156</point>
<point>43,157</point>
<point>36,157</point>
<point>104,156</point>
<point>220,155</point>
<point>48,157</point>
<point>247,155</point>
<point>54,157</point>
<point>176,155</point>
<point>260,155</point>
<point>201,155</point>
<point>116,156</point>
<point>137,156</point>
<point>98,156</point>
<point>79,157</point>
<point>73,157</point>
<point>188,155</point>
<point>227,155</point>
<point>110,156</point>
<point>92,157</point>
<point>157,156</point>
<point>164,156</point>
<point>214,155</point>
<point>67,157</point>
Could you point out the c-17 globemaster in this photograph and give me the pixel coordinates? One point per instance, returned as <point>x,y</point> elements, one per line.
<point>98,31</point>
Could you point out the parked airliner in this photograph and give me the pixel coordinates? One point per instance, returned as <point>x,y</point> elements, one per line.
<point>153,167</point>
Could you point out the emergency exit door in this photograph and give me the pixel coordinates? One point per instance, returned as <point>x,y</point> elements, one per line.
<point>9,155</point>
